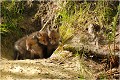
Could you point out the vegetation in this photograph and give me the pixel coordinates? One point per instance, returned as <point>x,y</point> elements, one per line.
<point>12,14</point>
<point>78,15</point>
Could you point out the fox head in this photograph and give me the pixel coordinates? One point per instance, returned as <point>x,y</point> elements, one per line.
<point>42,37</point>
<point>53,34</point>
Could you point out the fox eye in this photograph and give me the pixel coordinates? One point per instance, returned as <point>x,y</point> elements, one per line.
<point>43,40</point>
<point>49,38</point>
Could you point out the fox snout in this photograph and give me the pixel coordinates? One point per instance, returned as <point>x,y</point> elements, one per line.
<point>46,43</point>
<point>52,42</point>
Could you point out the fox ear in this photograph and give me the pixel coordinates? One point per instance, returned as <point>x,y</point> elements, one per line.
<point>53,28</point>
<point>56,28</point>
<point>49,29</point>
<point>38,34</point>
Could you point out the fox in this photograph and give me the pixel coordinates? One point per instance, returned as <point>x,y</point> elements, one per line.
<point>53,34</point>
<point>20,49</point>
<point>54,39</point>
<point>37,51</point>
<point>22,46</point>
<point>37,44</point>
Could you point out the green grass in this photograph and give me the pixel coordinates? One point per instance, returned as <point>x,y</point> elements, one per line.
<point>12,14</point>
<point>77,16</point>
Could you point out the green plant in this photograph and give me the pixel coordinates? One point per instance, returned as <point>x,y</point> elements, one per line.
<point>85,71</point>
<point>66,33</point>
<point>104,13</point>
<point>114,25</point>
<point>12,14</point>
<point>67,13</point>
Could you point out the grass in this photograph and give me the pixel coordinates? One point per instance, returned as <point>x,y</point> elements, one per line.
<point>66,33</point>
<point>11,14</point>
<point>102,13</point>
<point>76,18</point>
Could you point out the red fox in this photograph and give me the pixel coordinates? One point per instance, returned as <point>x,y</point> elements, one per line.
<point>37,50</point>
<point>53,34</point>
<point>22,50</point>
<point>37,44</point>
<point>54,37</point>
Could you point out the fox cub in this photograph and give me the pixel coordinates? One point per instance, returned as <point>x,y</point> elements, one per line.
<point>54,38</point>
<point>37,44</point>
<point>48,42</point>
<point>20,48</point>
<point>29,45</point>
<point>53,34</point>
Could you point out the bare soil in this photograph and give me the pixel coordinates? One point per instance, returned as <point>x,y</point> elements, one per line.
<point>52,68</point>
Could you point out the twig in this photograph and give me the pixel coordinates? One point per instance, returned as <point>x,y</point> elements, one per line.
<point>46,23</point>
